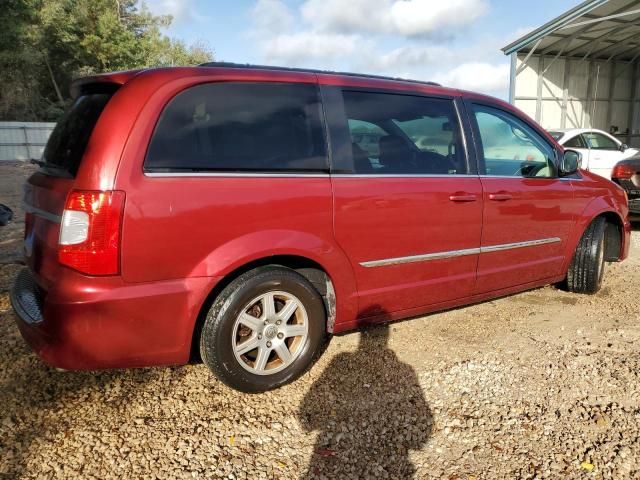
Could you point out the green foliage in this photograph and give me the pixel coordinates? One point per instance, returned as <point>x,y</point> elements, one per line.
<point>45,44</point>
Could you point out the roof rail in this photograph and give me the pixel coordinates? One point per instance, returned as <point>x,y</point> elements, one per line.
<point>310,70</point>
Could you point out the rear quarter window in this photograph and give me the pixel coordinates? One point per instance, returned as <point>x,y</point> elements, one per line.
<point>240,127</point>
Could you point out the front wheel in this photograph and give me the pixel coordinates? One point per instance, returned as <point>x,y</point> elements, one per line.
<point>587,267</point>
<point>263,330</point>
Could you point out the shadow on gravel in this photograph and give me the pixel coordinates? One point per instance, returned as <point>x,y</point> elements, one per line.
<point>369,410</point>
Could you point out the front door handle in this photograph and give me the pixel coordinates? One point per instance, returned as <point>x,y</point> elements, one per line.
<point>500,196</point>
<point>462,197</point>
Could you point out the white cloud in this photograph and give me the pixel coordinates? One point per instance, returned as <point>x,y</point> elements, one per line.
<point>482,77</point>
<point>273,30</point>
<point>516,34</point>
<point>345,16</point>
<point>180,10</point>
<point>270,16</point>
<point>401,17</point>
<point>354,35</point>
<point>419,17</point>
<point>409,57</point>
<point>307,47</point>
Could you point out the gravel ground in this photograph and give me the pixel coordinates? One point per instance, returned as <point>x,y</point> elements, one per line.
<point>544,384</point>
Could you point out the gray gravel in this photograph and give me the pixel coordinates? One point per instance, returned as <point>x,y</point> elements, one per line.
<point>538,385</point>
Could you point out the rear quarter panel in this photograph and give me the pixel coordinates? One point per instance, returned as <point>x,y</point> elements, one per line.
<point>209,226</point>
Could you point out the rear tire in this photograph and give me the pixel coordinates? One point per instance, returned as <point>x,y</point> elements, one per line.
<point>263,330</point>
<point>587,267</point>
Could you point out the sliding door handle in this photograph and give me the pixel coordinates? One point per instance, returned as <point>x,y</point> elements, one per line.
<point>462,197</point>
<point>500,196</point>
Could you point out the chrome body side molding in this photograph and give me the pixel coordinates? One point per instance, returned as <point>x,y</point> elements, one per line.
<point>52,217</point>
<point>511,246</point>
<point>421,258</point>
<point>458,253</point>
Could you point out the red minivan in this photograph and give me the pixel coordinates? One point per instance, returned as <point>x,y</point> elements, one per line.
<point>242,213</point>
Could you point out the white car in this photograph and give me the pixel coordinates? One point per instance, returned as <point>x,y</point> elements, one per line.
<point>600,150</point>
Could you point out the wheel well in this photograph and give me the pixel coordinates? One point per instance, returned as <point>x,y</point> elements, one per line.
<point>613,237</point>
<point>309,269</point>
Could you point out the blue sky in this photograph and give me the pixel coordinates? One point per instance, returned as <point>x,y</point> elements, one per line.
<point>455,42</point>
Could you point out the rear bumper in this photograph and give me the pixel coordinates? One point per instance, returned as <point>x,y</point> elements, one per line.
<point>633,193</point>
<point>102,322</point>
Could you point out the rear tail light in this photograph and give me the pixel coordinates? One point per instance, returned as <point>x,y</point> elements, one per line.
<point>623,171</point>
<point>90,232</point>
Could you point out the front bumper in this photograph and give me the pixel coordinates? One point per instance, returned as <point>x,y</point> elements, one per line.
<point>87,323</point>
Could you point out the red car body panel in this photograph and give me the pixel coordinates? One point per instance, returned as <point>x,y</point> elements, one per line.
<point>599,198</point>
<point>408,216</point>
<point>103,322</point>
<point>536,209</point>
<point>41,235</point>
<point>182,236</point>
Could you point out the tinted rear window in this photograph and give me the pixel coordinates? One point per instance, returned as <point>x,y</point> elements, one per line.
<point>240,127</point>
<point>404,134</point>
<point>70,137</point>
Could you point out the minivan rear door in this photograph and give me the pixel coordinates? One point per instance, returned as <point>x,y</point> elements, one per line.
<point>47,189</point>
<point>407,204</point>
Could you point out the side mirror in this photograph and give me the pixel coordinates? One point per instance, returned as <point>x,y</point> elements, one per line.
<point>623,147</point>
<point>571,161</point>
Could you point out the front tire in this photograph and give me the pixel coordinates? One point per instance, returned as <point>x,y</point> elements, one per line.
<point>587,267</point>
<point>263,330</point>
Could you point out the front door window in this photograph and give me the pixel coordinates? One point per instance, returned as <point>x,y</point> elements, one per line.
<point>511,148</point>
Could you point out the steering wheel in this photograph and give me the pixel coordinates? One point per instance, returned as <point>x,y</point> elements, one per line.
<point>531,169</point>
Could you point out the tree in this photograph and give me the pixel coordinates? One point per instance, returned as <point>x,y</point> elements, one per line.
<point>16,59</point>
<point>46,43</point>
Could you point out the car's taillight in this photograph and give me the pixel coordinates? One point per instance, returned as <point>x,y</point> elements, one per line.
<point>90,232</point>
<point>623,171</point>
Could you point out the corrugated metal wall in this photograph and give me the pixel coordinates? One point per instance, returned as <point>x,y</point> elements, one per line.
<point>23,140</point>
<point>574,93</point>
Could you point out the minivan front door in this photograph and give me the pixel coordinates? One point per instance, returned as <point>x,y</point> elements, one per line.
<point>528,211</point>
<point>407,207</point>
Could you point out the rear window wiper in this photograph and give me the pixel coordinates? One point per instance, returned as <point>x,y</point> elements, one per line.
<point>52,169</point>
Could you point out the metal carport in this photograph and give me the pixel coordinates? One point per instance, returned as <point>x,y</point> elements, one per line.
<point>580,70</point>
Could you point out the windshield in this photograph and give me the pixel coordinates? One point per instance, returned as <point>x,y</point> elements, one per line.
<point>70,137</point>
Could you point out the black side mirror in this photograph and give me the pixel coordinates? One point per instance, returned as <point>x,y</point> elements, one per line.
<point>570,162</point>
<point>623,147</point>
<point>6,214</point>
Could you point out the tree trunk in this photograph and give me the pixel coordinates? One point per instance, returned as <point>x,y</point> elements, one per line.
<point>53,80</point>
